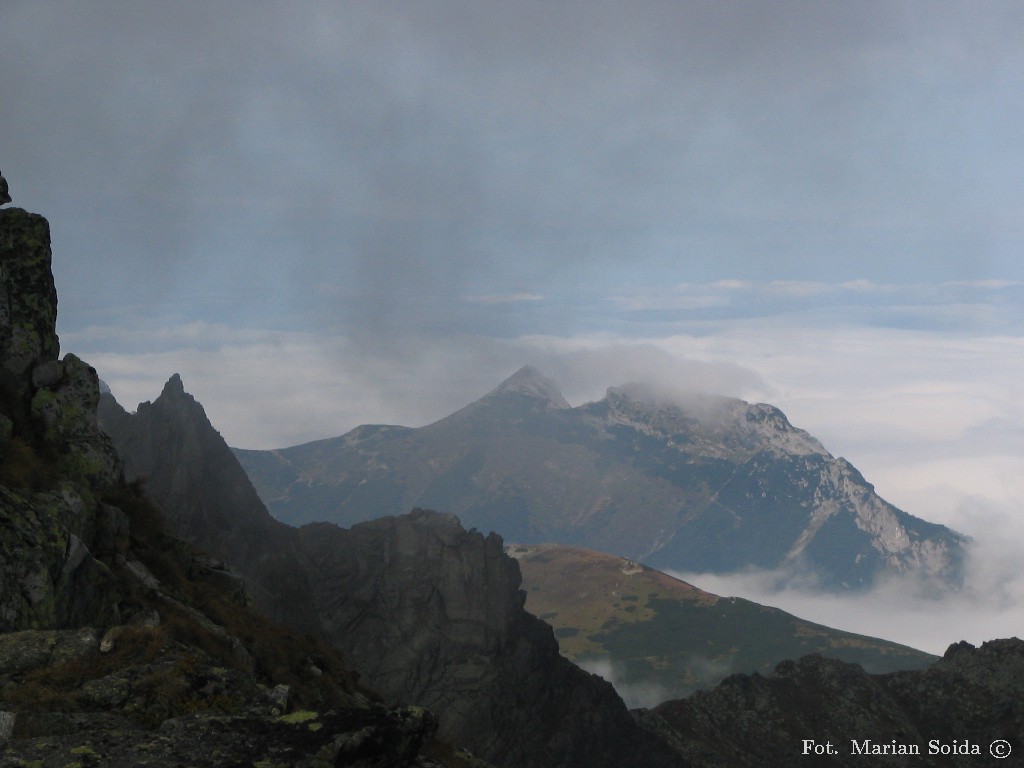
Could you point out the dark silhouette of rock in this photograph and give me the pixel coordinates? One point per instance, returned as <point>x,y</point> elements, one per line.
<point>121,644</point>
<point>971,695</point>
<point>432,615</point>
<point>207,498</point>
<point>5,196</point>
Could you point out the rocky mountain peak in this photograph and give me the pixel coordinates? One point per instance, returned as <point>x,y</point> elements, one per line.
<point>771,424</point>
<point>5,196</point>
<point>175,405</point>
<point>173,387</point>
<point>531,382</point>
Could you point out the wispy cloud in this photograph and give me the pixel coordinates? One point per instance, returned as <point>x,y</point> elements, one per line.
<point>644,303</point>
<point>502,298</point>
<point>798,288</point>
<point>635,693</point>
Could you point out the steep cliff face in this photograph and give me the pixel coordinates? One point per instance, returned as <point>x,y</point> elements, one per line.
<point>55,464</point>
<point>433,615</point>
<point>966,701</point>
<point>208,500</point>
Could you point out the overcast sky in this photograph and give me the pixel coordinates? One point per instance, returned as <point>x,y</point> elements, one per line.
<point>330,213</point>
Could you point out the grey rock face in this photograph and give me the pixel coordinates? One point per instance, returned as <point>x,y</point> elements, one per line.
<point>432,615</point>
<point>208,500</point>
<point>54,461</point>
<point>28,299</point>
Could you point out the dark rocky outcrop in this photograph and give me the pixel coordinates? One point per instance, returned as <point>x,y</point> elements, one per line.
<point>144,699</point>
<point>972,695</point>
<point>55,464</point>
<point>5,196</point>
<point>429,613</point>
<point>432,615</point>
<point>119,643</point>
<point>207,498</point>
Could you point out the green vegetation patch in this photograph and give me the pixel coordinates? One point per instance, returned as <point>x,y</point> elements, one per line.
<point>301,716</point>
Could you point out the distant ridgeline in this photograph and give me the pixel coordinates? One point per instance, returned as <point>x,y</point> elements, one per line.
<point>715,485</point>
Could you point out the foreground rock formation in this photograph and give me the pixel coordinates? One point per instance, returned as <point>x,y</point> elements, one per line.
<point>433,615</point>
<point>57,465</point>
<point>121,644</point>
<point>429,613</point>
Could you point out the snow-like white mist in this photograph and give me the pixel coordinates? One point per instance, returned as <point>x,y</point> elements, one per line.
<point>989,605</point>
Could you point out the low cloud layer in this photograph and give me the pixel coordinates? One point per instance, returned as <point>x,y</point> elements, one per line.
<point>634,693</point>
<point>990,604</point>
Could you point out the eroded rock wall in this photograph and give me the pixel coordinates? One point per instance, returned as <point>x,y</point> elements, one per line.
<point>55,464</point>
<point>432,615</point>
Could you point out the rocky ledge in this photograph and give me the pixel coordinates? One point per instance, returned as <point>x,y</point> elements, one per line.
<point>824,710</point>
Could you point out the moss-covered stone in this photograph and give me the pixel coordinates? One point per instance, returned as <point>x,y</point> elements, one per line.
<point>28,296</point>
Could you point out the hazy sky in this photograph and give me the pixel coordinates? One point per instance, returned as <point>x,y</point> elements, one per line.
<point>329,213</point>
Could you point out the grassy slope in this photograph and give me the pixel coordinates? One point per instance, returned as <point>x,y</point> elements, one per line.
<point>669,636</point>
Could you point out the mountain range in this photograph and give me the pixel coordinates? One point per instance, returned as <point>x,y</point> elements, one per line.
<point>153,613</point>
<point>668,636</point>
<point>712,484</point>
<point>430,614</point>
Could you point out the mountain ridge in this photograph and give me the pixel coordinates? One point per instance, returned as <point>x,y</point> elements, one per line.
<point>715,484</point>
<point>429,613</point>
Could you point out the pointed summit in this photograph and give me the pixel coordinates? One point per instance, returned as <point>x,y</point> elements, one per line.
<point>532,383</point>
<point>174,387</point>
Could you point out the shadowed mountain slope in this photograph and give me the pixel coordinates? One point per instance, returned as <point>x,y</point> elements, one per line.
<point>208,500</point>
<point>716,484</point>
<point>429,613</point>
